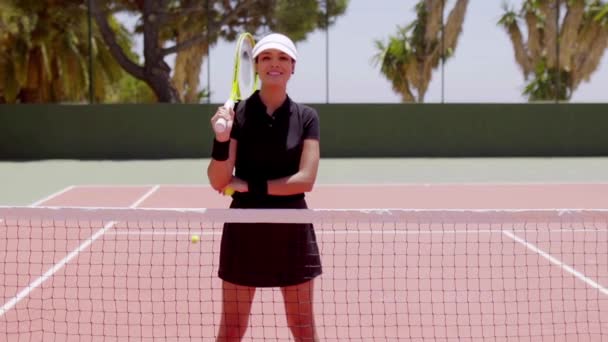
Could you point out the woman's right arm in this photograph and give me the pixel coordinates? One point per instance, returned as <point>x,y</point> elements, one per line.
<point>220,170</point>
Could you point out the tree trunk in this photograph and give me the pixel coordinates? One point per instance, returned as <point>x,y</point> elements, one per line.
<point>160,83</point>
<point>155,72</point>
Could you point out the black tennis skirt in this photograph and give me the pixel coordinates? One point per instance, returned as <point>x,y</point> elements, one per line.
<point>269,254</point>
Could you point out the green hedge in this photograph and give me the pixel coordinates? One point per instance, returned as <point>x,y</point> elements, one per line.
<point>347,130</point>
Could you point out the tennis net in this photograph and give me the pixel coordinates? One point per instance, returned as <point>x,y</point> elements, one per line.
<point>112,274</point>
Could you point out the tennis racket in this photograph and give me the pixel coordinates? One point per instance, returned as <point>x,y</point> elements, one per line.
<point>244,80</point>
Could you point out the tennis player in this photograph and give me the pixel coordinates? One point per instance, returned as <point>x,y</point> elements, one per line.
<point>272,143</point>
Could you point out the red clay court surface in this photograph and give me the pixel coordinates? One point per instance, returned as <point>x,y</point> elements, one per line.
<point>380,283</point>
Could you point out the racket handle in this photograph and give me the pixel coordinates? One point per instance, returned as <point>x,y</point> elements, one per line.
<point>229,104</point>
<point>221,123</point>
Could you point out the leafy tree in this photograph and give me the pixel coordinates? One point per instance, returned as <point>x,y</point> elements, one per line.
<point>190,27</point>
<point>44,53</point>
<point>558,54</point>
<point>409,57</point>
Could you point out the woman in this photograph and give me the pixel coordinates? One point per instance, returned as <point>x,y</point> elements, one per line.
<point>272,143</point>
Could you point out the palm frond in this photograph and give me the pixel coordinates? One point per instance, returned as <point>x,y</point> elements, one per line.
<point>602,14</point>
<point>508,18</point>
<point>394,58</point>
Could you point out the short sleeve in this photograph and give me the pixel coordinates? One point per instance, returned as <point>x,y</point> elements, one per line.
<point>311,124</point>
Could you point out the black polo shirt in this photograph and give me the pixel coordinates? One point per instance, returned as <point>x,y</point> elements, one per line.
<point>270,146</point>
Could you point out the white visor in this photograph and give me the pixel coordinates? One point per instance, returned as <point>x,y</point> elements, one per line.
<point>276,41</point>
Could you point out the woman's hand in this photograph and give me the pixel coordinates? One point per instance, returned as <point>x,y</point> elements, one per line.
<point>236,184</point>
<point>225,114</point>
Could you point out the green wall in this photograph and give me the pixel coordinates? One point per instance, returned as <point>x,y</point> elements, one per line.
<point>347,130</point>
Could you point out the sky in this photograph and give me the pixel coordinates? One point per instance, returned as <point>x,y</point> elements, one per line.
<point>483,69</point>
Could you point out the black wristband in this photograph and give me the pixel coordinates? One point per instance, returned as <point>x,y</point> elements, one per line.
<point>258,187</point>
<point>220,150</point>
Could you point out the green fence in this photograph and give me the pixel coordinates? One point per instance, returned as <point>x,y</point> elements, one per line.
<point>347,130</point>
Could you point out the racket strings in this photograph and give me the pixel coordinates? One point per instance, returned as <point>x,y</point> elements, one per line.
<point>246,72</point>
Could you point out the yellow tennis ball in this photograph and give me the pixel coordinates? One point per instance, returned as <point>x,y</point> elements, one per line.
<point>195,238</point>
<point>229,191</point>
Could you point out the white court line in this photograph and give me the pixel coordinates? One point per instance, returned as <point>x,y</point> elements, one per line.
<point>51,196</point>
<point>33,285</point>
<point>367,185</point>
<point>557,262</point>
<point>126,186</point>
<point>144,197</point>
<point>510,234</point>
<point>47,198</point>
<point>185,231</point>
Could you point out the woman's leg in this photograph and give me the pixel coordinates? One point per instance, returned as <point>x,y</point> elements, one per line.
<point>236,305</point>
<point>299,309</point>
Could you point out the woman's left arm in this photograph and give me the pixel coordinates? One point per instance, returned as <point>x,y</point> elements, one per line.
<point>304,179</point>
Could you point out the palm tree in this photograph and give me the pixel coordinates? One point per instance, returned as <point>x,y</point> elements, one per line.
<point>410,56</point>
<point>559,54</point>
<point>188,62</point>
<point>12,68</point>
<point>45,53</point>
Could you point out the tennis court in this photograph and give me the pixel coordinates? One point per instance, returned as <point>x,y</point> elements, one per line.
<point>448,268</point>
<point>461,192</point>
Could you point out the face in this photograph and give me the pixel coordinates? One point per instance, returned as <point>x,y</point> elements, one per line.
<point>274,67</point>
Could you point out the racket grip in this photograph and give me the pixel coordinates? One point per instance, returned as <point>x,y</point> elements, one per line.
<point>221,123</point>
<point>229,104</point>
